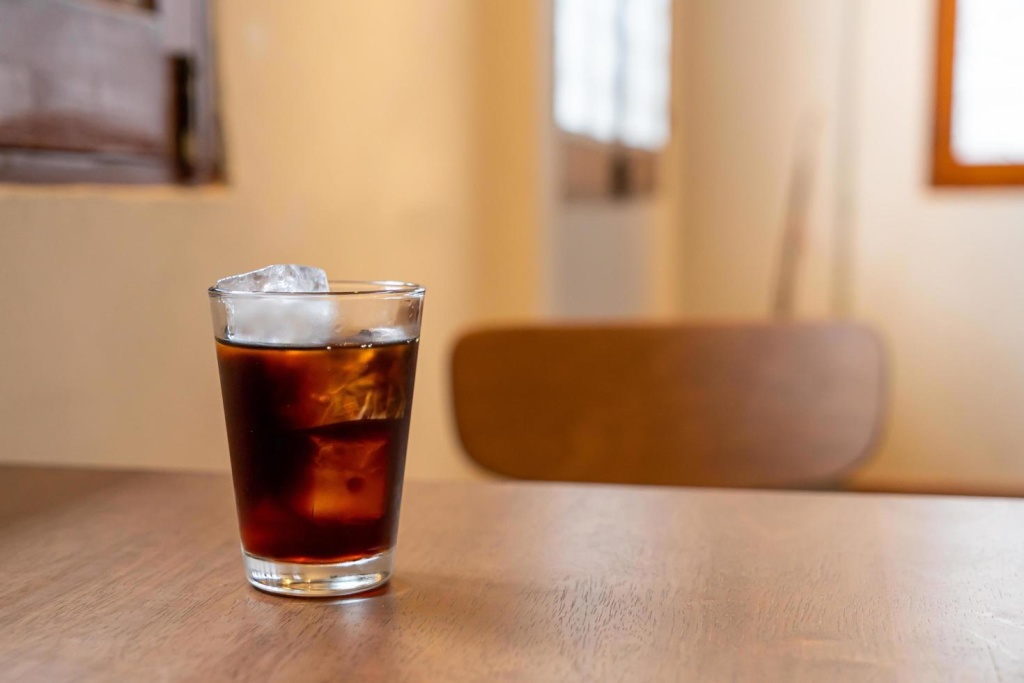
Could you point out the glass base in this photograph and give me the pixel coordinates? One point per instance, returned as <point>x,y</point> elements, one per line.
<point>318,580</point>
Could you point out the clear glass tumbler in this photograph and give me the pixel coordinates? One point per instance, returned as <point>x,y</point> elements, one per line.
<point>317,391</point>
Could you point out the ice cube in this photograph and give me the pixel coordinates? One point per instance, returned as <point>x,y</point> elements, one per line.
<point>282,321</point>
<point>374,388</point>
<point>378,336</point>
<point>346,480</point>
<point>348,384</point>
<point>286,277</point>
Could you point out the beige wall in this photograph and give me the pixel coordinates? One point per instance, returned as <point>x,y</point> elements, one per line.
<point>936,271</point>
<point>939,271</point>
<point>511,175</point>
<point>405,140</point>
<point>755,76</point>
<point>347,131</point>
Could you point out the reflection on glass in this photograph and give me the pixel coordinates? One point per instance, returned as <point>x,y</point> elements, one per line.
<point>988,82</point>
<point>612,62</point>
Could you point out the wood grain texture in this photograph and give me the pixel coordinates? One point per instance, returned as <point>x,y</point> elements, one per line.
<point>117,576</point>
<point>743,405</point>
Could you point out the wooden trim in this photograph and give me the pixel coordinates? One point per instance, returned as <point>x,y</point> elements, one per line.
<point>44,166</point>
<point>209,156</point>
<point>946,168</point>
<point>143,5</point>
<point>597,170</point>
<point>935,487</point>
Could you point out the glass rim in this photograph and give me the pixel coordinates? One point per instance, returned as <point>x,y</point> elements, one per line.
<point>339,288</point>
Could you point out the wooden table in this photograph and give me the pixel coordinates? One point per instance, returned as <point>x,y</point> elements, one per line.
<point>126,576</point>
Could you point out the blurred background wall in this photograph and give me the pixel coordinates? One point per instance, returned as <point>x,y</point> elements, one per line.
<point>348,140</point>
<point>935,270</point>
<point>413,140</point>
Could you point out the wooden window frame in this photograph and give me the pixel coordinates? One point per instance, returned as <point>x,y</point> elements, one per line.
<point>593,170</point>
<point>947,170</point>
<point>63,150</point>
<point>599,170</point>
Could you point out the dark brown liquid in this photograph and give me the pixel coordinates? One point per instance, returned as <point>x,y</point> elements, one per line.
<point>317,440</point>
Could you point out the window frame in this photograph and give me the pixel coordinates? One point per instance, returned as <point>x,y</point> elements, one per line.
<point>947,170</point>
<point>189,149</point>
<point>596,170</point>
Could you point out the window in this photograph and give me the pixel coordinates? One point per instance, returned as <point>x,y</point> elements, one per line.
<point>611,92</point>
<point>979,119</point>
<point>107,91</point>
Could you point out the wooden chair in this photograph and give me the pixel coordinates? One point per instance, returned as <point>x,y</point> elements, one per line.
<point>758,405</point>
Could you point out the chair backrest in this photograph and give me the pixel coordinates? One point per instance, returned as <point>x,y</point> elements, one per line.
<point>751,405</point>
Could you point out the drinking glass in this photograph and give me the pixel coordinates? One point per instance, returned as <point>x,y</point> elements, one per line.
<point>317,391</point>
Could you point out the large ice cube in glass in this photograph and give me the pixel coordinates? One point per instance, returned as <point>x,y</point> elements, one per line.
<point>345,480</point>
<point>279,320</point>
<point>285,277</point>
<point>344,385</point>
